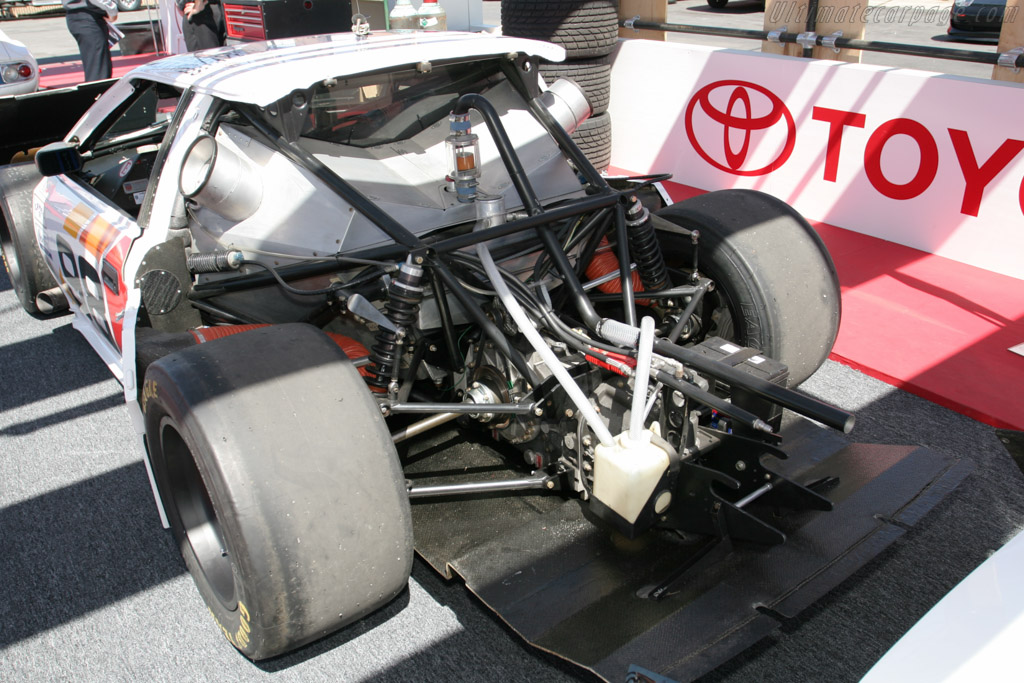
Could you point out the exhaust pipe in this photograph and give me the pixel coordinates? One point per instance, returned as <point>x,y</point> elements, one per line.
<point>567,103</point>
<point>51,301</point>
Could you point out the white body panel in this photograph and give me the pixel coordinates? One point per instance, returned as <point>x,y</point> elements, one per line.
<point>261,73</point>
<point>975,633</point>
<point>299,217</point>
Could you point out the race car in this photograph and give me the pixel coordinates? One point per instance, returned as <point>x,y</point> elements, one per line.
<point>19,71</point>
<point>295,255</point>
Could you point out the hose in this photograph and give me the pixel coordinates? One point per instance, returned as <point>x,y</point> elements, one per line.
<point>621,334</point>
<point>529,330</point>
<point>645,353</point>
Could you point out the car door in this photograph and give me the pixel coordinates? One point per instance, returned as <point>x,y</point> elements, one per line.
<point>88,219</point>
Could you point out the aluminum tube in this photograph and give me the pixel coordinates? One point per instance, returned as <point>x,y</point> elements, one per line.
<point>753,495</point>
<point>479,487</point>
<point>460,408</point>
<point>417,428</point>
<point>587,286</point>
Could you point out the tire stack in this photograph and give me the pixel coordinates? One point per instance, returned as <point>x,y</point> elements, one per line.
<point>588,30</point>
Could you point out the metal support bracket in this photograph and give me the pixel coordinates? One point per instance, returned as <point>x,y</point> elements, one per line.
<point>360,26</point>
<point>776,35</point>
<point>1009,58</point>
<point>628,23</point>
<point>830,41</point>
<point>807,40</point>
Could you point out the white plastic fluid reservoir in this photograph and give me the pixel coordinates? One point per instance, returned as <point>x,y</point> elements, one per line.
<point>626,473</point>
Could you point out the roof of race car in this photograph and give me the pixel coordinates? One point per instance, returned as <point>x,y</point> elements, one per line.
<point>263,72</point>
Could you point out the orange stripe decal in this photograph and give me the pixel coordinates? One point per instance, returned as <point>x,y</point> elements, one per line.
<point>76,219</point>
<point>98,236</point>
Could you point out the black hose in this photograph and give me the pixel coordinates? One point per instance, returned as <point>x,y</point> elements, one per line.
<point>447,327</point>
<point>287,287</point>
<point>625,272</point>
<point>590,248</point>
<point>582,302</point>
<point>485,323</point>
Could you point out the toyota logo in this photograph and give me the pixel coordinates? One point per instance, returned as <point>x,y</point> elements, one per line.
<point>744,113</point>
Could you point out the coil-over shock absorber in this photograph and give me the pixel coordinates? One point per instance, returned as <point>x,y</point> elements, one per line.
<point>404,296</point>
<point>644,247</point>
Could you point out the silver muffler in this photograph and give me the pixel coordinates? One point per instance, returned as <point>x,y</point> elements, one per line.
<point>567,103</point>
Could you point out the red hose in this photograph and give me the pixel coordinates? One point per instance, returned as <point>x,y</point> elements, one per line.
<point>605,261</point>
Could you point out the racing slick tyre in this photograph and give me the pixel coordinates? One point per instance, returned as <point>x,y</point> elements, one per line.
<point>776,288</point>
<point>25,265</point>
<point>585,28</point>
<point>281,484</point>
<point>593,76</point>
<point>594,138</point>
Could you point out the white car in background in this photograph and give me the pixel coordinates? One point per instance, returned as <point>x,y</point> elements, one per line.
<point>19,72</point>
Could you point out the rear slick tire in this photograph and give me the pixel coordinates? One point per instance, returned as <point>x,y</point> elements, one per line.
<point>25,266</point>
<point>281,484</point>
<point>776,288</point>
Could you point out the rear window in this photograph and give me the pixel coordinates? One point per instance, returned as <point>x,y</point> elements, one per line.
<point>377,109</point>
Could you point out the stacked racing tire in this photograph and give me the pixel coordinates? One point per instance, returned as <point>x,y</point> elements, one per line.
<point>588,30</point>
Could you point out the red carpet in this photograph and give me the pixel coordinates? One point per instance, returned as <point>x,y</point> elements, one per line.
<point>934,327</point>
<point>64,74</point>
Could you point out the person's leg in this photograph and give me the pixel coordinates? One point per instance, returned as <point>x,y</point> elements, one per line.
<point>102,38</point>
<point>188,32</point>
<point>90,32</point>
<point>218,23</point>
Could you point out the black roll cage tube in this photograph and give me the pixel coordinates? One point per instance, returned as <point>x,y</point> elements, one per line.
<point>431,254</point>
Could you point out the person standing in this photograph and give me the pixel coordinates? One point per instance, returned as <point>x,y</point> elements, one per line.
<point>203,24</point>
<point>87,22</point>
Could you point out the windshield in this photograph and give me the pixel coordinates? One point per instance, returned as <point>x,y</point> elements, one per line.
<point>377,109</point>
<point>145,116</point>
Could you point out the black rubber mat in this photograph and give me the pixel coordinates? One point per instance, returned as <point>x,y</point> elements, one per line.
<point>580,591</point>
